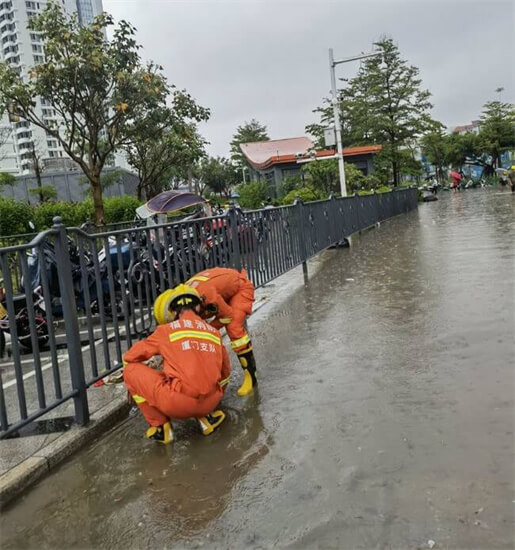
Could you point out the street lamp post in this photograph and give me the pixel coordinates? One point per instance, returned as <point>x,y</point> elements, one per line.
<point>336,112</point>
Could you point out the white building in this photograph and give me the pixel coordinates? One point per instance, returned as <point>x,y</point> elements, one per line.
<point>23,49</point>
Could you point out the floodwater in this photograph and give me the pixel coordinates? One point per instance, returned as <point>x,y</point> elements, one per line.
<point>384,416</point>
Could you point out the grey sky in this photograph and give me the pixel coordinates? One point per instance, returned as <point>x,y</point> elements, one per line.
<point>267,59</point>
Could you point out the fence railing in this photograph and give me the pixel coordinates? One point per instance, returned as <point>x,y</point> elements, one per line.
<point>81,299</point>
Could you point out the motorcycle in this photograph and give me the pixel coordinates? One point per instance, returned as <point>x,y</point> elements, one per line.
<point>85,285</point>
<point>22,321</point>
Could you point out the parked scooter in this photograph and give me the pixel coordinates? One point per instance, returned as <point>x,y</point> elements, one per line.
<point>22,321</point>
<point>85,285</point>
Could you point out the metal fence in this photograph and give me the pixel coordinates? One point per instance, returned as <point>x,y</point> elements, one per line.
<point>82,299</point>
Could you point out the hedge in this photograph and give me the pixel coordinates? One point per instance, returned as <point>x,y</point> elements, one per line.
<point>15,215</point>
<point>306,194</point>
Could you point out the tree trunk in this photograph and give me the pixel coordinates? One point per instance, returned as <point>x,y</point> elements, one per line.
<point>37,172</point>
<point>395,169</point>
<point>190,177</point>
<point>139,191</point>
<point>96,191</point>
<point>40,187</point>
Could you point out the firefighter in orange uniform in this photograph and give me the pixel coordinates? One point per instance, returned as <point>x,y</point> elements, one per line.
<point>228,295</point>
<point>195,373</point>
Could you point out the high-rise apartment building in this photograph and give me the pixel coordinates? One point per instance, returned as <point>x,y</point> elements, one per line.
<point>22,49</point>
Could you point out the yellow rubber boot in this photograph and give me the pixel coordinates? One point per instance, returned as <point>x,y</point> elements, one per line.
<point>162,434</point>
<point>248,364</point>
<point>247,386</point>
<point>209,423</point>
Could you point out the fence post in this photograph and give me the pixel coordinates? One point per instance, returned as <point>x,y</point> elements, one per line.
<point>71,323</point>
<point>300,217</point>
<point>235,237</point>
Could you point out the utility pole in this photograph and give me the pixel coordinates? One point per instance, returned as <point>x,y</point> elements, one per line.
<point>336,110</point>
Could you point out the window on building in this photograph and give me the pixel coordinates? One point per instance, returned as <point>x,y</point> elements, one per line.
<point>10,38</point>
<point>6,5</point>
<point>7,17</point>
<point>27,145</point>
<point>8,27</point>
<point>37,48</point>
<point>38,59</point>
<point>32,5</point>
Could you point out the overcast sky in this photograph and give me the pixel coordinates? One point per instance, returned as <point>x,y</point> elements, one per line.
<point>268,59</point>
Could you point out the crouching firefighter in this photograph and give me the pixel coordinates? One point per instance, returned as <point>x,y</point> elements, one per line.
<point>228,295</point>
<point>196,368</point>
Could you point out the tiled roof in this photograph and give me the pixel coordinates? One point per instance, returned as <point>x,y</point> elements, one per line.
<point>264,154</point>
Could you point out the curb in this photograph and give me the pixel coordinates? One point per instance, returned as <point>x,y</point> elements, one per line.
<point>30,470</point>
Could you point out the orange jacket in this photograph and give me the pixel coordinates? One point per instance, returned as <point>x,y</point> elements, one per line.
<point>218,286</point>
<point>192,352</point>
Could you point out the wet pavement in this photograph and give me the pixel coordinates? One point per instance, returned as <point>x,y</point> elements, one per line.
<point>384,416</point>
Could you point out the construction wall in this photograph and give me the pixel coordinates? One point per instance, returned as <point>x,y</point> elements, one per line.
<point>69,186</point>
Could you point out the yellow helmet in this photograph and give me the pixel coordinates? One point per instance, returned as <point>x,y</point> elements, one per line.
<point>181,295</point>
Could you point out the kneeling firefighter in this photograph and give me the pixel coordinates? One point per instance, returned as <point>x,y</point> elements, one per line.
<point>228,295</point>
<point>195,372</point>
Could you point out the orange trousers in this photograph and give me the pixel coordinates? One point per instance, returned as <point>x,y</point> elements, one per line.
<point>241,304</point>
<point>160,398</point>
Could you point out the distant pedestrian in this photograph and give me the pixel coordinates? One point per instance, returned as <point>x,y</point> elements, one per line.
<point>456,178</point>
<point>511,178</point>
<point>503,178</point>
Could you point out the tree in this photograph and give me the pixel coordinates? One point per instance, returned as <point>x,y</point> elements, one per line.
<point>99,90</point>
<point>44,193</point>
<point>218,175</point>
<point>384,104</point>
<point>253,194</point>
<point>108,178</point>
<point>5,134</point>
<point>6,179</point>
<point>248,132</point>
<point>167,146</point>
<point>324,175</point>
<point>435,146</point>
<point>462,148</point>
<point>497,131</point>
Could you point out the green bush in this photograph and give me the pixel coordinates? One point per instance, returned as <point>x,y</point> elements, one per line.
<point>46,192</point>
<point>381,189</point>
<point>306,194</point>
<point>44,214</point>
<point>14,217</point>
<point>289,184</point>
<point>253,194</point>
<point>120,209</point>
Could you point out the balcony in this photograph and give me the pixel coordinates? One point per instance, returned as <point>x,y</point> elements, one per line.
<point>23,140</point>
<point>10,55</point>
<point>10,39</point>
<point>5,11</point>
<point>8,28</point>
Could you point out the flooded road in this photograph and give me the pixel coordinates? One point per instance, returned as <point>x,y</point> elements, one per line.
<point>384,416</point>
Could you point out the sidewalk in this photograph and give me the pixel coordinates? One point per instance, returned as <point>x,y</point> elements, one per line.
<point>26,459</point>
